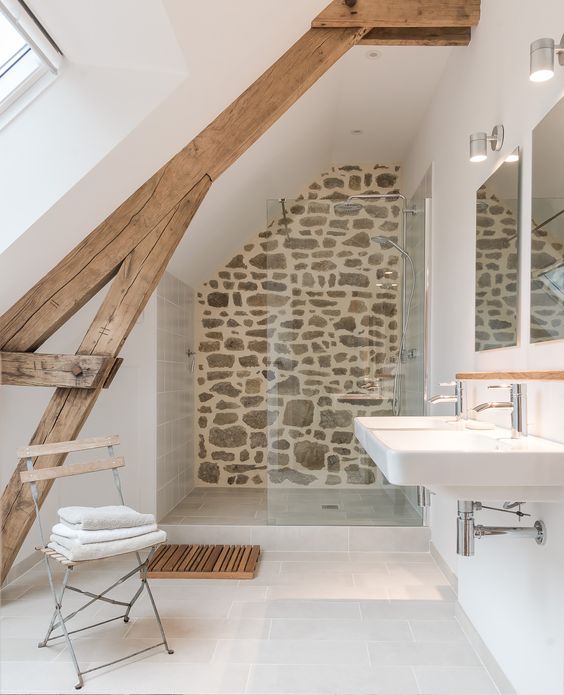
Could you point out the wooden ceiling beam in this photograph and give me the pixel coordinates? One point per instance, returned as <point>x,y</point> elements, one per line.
<point>417,36</point>
<point>88,267</point>
<point>399,13</point>
<point>64,371</point>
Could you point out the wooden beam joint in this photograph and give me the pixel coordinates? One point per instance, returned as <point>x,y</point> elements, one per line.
<point>417,36</point>
<point>405,13</point>
<point>59,371</point>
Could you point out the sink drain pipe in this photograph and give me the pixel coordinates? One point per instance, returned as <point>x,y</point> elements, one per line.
<point>468,531</point>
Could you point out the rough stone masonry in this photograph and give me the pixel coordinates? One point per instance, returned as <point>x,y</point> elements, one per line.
<point>288,330</point>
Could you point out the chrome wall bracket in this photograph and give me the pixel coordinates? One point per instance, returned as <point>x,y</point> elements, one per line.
<point>468,530</point>
<point>423,496</point>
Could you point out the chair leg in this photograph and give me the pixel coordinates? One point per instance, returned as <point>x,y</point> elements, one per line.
<point>58,620</point>
<point>132,602</point>
<point>157,616</point>
<point>43,643</point>
<point>59,614</point>
<point>80,683</point>
<point>58,601</point>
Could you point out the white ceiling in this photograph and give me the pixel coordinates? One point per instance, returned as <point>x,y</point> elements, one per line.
<point>217,49</point>
<point>386,98</point>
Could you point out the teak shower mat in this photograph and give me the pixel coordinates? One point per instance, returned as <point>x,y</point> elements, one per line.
<point>204,562</point>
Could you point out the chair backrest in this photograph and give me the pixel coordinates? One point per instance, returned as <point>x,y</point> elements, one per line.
<point>33,450</point>
<point>49,473</point>
<point>32,475</point>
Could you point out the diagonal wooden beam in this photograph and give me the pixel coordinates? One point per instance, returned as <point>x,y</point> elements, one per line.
<point>65,371</point>
<point>68,409</point>
<point>399,13</point>
<point>64,290</point>
<point>417,36</point>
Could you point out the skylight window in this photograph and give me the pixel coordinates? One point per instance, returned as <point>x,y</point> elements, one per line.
<point>27,53</point>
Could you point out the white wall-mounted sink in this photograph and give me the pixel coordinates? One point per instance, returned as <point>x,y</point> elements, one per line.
<point>408,423</point>
<point>462,463</point>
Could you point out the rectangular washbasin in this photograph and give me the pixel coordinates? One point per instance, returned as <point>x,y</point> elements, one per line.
<point>455,461</point>
<point>364,424</point>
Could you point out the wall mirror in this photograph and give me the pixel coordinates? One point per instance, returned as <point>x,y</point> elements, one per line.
<point>547,229</point>
<point>497,257</point>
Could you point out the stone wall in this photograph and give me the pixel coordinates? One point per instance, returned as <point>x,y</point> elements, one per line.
<point>289,329</point>
<point>497,265</point>
<point>547,282</point>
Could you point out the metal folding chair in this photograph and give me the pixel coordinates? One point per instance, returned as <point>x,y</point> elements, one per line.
<point>33,477</point>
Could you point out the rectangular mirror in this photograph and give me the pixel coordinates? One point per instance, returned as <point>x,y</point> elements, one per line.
<point>497,257</point>
<point>547,230</point>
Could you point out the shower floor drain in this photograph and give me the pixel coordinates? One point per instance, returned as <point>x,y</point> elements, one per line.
<point>330,506</point>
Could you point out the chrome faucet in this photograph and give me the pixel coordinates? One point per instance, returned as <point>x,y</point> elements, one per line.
<point>517,405</point>
<point>457,397</point>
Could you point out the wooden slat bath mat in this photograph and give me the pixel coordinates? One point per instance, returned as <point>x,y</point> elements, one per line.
<point>204,562</point>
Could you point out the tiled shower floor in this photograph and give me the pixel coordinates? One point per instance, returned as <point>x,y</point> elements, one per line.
<point>387,506</point>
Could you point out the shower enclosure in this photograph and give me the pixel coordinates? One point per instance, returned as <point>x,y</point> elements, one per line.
<point>346,337</point>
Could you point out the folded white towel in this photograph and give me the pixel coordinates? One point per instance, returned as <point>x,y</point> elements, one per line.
<point>93,551</point>
<point>103,536</point>
<point>103,518</point>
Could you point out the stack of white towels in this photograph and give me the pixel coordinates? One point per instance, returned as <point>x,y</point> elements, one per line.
<point>89,533</point>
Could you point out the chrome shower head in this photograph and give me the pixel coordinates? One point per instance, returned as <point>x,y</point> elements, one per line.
<point>384,241</point>
<point>348,206</point>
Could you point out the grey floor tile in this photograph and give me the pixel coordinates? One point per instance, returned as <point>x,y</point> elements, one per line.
<point>291,652</point>
<point>267,679</point>
<point>370,630</point>
<point>454,681</point>
<point>423,654</point>
<point>203,628</point>
<point>407,610</point>
<point>296,609</point>
<point>437,631</point>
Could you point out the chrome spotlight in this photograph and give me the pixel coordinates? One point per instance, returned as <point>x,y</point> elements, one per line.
<point>479,143</point>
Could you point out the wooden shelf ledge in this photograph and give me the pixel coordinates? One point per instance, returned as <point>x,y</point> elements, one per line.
<point>548,375</point>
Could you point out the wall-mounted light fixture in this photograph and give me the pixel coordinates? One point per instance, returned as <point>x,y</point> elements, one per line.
<point>479,144</point>
<point>542,59</point>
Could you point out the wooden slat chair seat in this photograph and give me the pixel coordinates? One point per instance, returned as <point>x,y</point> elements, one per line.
<point>54,555</point>
<point>38,475</point>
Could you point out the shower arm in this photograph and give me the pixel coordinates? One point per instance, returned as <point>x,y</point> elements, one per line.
<point>383,196</point>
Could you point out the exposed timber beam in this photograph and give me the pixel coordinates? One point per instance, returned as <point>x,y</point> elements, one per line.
<point>399,13</point>
<point>113,371</point>
<point>88,267</point>
<point>65,371</point>
<point>68,408</point>
<point>417,36</point>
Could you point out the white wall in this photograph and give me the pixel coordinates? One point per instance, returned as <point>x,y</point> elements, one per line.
<point>65,132</point>
<point>512,590</point>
